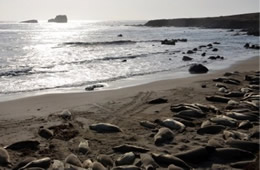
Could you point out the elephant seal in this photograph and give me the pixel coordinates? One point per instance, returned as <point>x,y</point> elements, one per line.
<point>230,155</point>
<point>126,159</point>
<point>205,124</point>
<point>185,106</point>
<point>172,124</point>
<point>87,164</point>
<point>165,160</point>
<point>235,135</point>
<point>73,160</point>
<point>27,144</point>
<point>158,101</point>
<point>244,145</point>
<point>164,135</point>
<point>4,157</point>
<point>23,163</point>
<point>216,142</point>
<point>45,133</point>
<point>242,164</point>
<point>57,165</point>
<point>98,166</point>
<point>173,167</point>
<point>84,147</point>
<point>255,134</point>
<point>126,167</point>
<point>105,160</point>
<point>65,114</point>
<point>148,162</point>
<point>105,128</point>
<point>196,155</point>
<point>185,122</point>
<point>245,125</point>
<point>219,99</point>
<point>241,116</point>
<point>211,129</point>
<point>44,163</point>
<point>234,94</point>
<point>129,148</point>
<point>224,121</point>
<point>148,124</point>
<point>191,113</point>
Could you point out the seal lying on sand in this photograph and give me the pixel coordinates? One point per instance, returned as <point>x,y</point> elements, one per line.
<point>172,124</point>
<point>105,160</point>
<point>40,163</point>
<point>229,155</point>
<point>105,128</point>
<point>245,145</point>
<point>164,135</point>
<point>197,155</point>
<point>73,160</point>
<point>166,160</point>
<point>27,144</point>
<point>129,148</point>
<point>4,157</point>
<point>211,129</point>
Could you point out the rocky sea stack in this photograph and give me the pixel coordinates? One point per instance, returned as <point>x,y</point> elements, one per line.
<point>59,19</point>
<point>30,21</point>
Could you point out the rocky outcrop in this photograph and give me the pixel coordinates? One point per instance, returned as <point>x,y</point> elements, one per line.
<point>30,21</point>
<point>247,22</point>
<point>59,19</point>
<point>197,69</point>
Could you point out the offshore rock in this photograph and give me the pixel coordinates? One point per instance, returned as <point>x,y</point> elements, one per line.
<point>198,69</point>
<point>59,19</point>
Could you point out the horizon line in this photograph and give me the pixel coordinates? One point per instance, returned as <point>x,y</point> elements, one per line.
<point>144,19</point>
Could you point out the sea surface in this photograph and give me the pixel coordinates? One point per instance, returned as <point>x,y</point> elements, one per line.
<point>53,57</point>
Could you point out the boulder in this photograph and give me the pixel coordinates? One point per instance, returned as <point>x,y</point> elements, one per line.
<point>186,58</point>
<point>168,42</point>
<point>93,87</point>
<point>190,52</point>
<point>198,68</point>
<point>59,19</point>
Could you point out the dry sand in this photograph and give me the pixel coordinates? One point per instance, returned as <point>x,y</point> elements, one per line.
<point>20,119</point>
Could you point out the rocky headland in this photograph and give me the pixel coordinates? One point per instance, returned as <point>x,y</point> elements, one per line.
<point>246,22</point>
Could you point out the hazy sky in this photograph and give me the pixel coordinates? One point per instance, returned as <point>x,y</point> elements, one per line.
<point>122,9</point>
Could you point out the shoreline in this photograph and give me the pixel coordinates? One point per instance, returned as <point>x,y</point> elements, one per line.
<point>42,105</point>
<point>177,73</point>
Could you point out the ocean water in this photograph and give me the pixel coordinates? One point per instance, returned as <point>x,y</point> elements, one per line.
<point>37,58</point>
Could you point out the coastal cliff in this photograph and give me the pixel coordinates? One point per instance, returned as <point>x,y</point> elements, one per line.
<point>247,22</point>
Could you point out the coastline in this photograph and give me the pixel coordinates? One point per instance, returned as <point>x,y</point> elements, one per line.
<point>43,105</point>
<point>28,120</point>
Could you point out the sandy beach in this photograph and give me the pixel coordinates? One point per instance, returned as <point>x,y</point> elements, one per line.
<point>21,119</point>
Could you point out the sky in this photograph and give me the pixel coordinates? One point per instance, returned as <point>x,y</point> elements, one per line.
<point>14,10</point>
